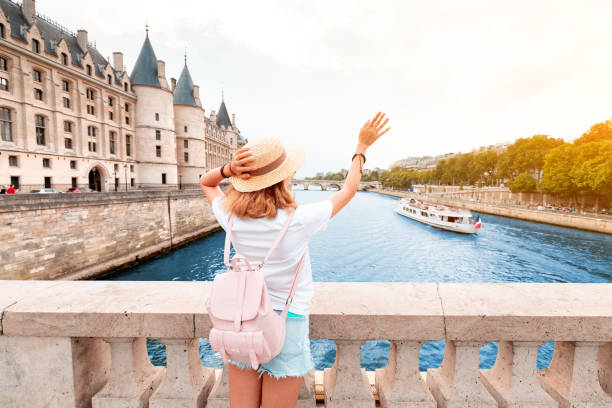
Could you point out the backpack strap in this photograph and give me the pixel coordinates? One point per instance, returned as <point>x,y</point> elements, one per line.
<point>293,284</point>
<point>281,234</point>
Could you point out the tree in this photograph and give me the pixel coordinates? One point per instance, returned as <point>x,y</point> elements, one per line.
<point>524,183</point>
<point>592,171</point>
<point>558,167</point>
<point>528,155</point>
<point>597,133</point>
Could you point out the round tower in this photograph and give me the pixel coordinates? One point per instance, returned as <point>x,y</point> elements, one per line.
<point>189,125</point>
<point>155,139</point>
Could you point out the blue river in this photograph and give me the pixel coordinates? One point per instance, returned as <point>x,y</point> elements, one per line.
<point>369,242</point>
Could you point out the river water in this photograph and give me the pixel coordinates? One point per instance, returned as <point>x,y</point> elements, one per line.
<point>369,242</point>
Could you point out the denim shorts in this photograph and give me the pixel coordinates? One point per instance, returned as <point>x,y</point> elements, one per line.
<point>295,359</point>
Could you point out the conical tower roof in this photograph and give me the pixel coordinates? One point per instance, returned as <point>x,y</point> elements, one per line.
<point>183,93</point>
<point>223,117</point>
<point>145,70</point>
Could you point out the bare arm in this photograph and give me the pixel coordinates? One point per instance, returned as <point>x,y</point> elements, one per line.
<point>369,133</point>
<point>236,168</point>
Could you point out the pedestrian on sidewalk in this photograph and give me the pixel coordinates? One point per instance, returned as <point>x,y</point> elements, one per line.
<point>11,190</point>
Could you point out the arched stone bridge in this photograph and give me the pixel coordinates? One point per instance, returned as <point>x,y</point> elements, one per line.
<point>334,184</point>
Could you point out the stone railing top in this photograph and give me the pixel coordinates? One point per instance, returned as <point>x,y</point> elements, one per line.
<point>356,310</point>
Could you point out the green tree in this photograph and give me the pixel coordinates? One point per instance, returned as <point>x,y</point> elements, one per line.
<point>558,167</point>
<point>524,183</point>
<point>597,133</point>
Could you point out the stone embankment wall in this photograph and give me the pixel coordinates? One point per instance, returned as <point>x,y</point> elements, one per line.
<point>587,223</point>
<point>79,236</point>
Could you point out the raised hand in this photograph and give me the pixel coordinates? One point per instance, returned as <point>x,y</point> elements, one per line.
<point>372,130</point>
<point>237,166</point>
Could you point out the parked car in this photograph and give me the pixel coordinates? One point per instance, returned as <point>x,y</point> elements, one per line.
<point>45,191</point>
<point>81,190</point>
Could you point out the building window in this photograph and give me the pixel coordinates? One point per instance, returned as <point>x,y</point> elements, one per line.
<point>186,157</point>
<point>185,144</point>
<point>89,70</point>
<point>158,135</point>
<point>231,140</point>
<point>66,102</point>
<point>128,145</point>
<point>64,58</point>
<point>67,126</point>
<point>163,178</point>
<point>91,131</point>
<point>125,86</point>
<point>38,94</point>
<point>74,182</point>
<point>110,115</point>
<point>15,182</point>
<point>109,79</point>
<point>91,94</point>
<point>157,116</point>
<point>68,143</point>
<point>131,168</point>
<point>3,64</point>
<point>132,179</point>
<point>110,101</point>
<point>158,151</point>
<point>6,125</point>
<point>47,182</point>
<point>73,164</point>
<point>2,34</point>
<point>4,84</point>
<point>116,167</point>
<point>36,46</point>
<point>91,146</point>
<point>47,163</point>
<point>127,120</point>
<point>40,129</point>
<point>127,107</point>
<point>111,145</point>
<point>91,110</point>
<point>37,75</point>
<point>13,161</point>
<point>185,129</point>
<point>65,85</point>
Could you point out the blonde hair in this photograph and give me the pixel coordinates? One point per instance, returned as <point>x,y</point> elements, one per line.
<point>261,203</point>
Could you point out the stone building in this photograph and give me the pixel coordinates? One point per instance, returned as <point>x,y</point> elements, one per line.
<point>70,118</point>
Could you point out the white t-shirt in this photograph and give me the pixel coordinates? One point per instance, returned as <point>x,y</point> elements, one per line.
<point>253,238</point>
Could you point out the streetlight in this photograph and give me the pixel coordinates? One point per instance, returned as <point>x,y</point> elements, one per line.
<point>125,168</point>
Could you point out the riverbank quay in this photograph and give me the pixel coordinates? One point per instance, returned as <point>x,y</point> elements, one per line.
<point>586,223</point>
<point>84,236</point>
<point>83,343</point>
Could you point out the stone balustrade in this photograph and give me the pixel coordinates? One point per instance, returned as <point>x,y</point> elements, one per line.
<point>83,344</point>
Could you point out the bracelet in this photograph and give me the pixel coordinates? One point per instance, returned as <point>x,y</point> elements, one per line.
<point>222,173</point>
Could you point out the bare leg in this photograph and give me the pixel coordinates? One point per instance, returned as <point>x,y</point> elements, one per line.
<point>245,387</point>
<point>280,393</point>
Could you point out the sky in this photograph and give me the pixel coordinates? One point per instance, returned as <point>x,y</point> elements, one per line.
<point>451,75</point>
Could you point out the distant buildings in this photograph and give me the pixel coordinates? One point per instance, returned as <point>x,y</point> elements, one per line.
<point>70,118</point>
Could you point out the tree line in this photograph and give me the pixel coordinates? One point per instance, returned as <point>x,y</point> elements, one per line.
<point>536,164</point>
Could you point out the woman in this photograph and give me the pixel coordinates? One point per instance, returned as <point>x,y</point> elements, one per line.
<point>259,199</point>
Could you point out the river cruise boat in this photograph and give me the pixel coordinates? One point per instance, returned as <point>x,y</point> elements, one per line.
<point>439,216</point>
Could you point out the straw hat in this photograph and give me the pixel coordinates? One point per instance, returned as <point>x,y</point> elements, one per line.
<point>274,163</point>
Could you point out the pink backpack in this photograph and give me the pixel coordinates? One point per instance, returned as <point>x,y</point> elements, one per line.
<point>245,327</point>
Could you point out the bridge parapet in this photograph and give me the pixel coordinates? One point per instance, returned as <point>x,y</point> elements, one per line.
<point>337,184</point>
<point>76,343</point>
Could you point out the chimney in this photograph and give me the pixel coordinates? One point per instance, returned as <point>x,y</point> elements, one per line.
<point>173,82</point>
<point>29,10</point>
<point>161,68</point>
<point>213,116</point>
<point>233,119</point>
<point>118,61</point>
<point>82,40</point>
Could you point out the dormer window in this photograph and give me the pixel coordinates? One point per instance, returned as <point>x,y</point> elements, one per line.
<point>109,79</point>
<point>125,86</point>
<point>89,70</point>
<point>36,46</point>
<point>64,58</point>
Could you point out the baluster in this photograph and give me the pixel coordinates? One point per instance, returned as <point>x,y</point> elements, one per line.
<point>219,396</point>
<point>572,377</point>
<point>307,398</point>
<point>456,384</point>
<point>400,383</point>
<point>132,377</point>
<point>605,367</point>
<point>514,380</point>
<point>187,382</point>
<point>346,384</point>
